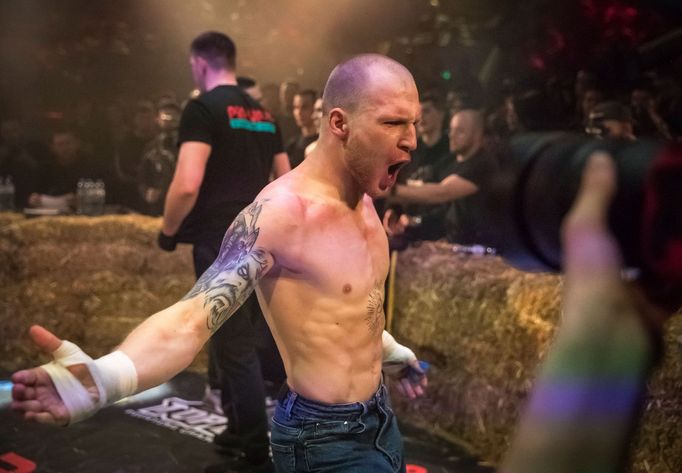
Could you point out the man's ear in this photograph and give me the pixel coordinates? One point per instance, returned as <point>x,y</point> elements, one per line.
<point>338,123</point>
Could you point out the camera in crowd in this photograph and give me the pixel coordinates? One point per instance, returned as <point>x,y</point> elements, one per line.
<point>544,173</point>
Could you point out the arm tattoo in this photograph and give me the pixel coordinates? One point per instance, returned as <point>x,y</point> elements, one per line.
<point>375,308</point>
<point>229,281</point>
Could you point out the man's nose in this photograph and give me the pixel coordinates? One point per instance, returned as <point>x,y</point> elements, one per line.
<point>409,142</point>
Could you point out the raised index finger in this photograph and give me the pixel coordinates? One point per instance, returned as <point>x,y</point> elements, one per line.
<point>590,251</point>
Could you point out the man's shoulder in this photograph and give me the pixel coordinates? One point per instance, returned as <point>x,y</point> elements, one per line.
<point>282,200</point>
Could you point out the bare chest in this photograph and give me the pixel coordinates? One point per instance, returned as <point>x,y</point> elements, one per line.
<point>345,255</point>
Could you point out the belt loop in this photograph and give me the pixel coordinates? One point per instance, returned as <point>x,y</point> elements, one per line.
<point>381,396</point>
<point>290,404</point>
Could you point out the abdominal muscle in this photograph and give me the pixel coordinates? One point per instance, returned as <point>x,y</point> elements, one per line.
<point>330,354</point>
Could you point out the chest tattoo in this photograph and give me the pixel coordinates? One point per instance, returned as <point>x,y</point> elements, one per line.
<point>375,308</point>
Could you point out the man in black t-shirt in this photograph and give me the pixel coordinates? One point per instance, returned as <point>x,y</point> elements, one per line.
<point>467,219</point>
<point>229,145</point>
<point>58,178</point>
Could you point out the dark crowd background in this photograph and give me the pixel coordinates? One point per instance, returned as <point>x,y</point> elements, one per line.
<point>94,90</point>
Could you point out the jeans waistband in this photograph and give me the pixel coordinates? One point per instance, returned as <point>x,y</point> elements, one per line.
<point>290,401</point>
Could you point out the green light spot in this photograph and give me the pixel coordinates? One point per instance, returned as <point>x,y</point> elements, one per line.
<point>446,75</point>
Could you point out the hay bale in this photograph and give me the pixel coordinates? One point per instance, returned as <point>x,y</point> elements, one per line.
<point>658,444</point>
<point>485,327</point>
<point>90,279</point>
<point>8,218</point>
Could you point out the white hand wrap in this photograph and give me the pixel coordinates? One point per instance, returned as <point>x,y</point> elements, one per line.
<point>395,356</point>
<point>114,375</point>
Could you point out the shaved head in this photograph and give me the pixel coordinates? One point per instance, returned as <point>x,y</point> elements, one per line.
<point>473,118</point>
<point>466,132</point>
<point>352,80</point>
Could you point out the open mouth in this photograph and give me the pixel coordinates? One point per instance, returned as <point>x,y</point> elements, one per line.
<point>394,168</point>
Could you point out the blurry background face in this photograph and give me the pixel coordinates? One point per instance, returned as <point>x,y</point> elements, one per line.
<point>431,120</point>
<point>65,147</point>
<point>303,110</point>
<point>461,134</point>
<point>317,114</point>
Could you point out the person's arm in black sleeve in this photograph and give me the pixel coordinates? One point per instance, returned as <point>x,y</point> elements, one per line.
<point>195,138</point>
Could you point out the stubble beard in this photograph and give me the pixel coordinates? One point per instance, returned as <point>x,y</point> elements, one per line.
<point>359,162</point>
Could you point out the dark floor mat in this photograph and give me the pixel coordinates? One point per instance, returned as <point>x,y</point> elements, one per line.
<point>164,430</point>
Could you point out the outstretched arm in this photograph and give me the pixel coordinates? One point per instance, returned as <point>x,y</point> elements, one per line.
<point>168,341</point>
<point>451,188</point>
<point>161,346</point>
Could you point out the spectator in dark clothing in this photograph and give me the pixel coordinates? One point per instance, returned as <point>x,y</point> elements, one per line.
<point>229,147</point>
<point>58,179</point>
<point>645,117</point>
<point>17,162</point>
<point>128,155</point>
<point>158,161</point>
<point>304,102</point>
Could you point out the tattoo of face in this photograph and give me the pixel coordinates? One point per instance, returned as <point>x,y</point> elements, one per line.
<point>375,308</point>
<point>233,275</point>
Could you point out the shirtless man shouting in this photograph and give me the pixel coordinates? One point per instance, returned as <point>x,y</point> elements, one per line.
<point>313,248</point>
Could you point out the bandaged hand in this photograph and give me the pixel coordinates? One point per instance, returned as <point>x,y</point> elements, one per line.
<point>401,362</point>
<point>73,386</point>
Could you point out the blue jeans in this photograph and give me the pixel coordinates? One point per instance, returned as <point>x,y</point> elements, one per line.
<point>360,437</point>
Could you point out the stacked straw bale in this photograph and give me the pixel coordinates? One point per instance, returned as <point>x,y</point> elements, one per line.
<point>485,327</point>
<point>7,218</point>
<point>88,279</point>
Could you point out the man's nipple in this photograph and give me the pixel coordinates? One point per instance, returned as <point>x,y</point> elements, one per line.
<point>347,288</point>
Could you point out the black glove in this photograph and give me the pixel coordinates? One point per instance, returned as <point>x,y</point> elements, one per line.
<point>166,243</point>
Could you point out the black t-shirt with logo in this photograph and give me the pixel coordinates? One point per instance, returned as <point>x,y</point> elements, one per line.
<point>243,138</point>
